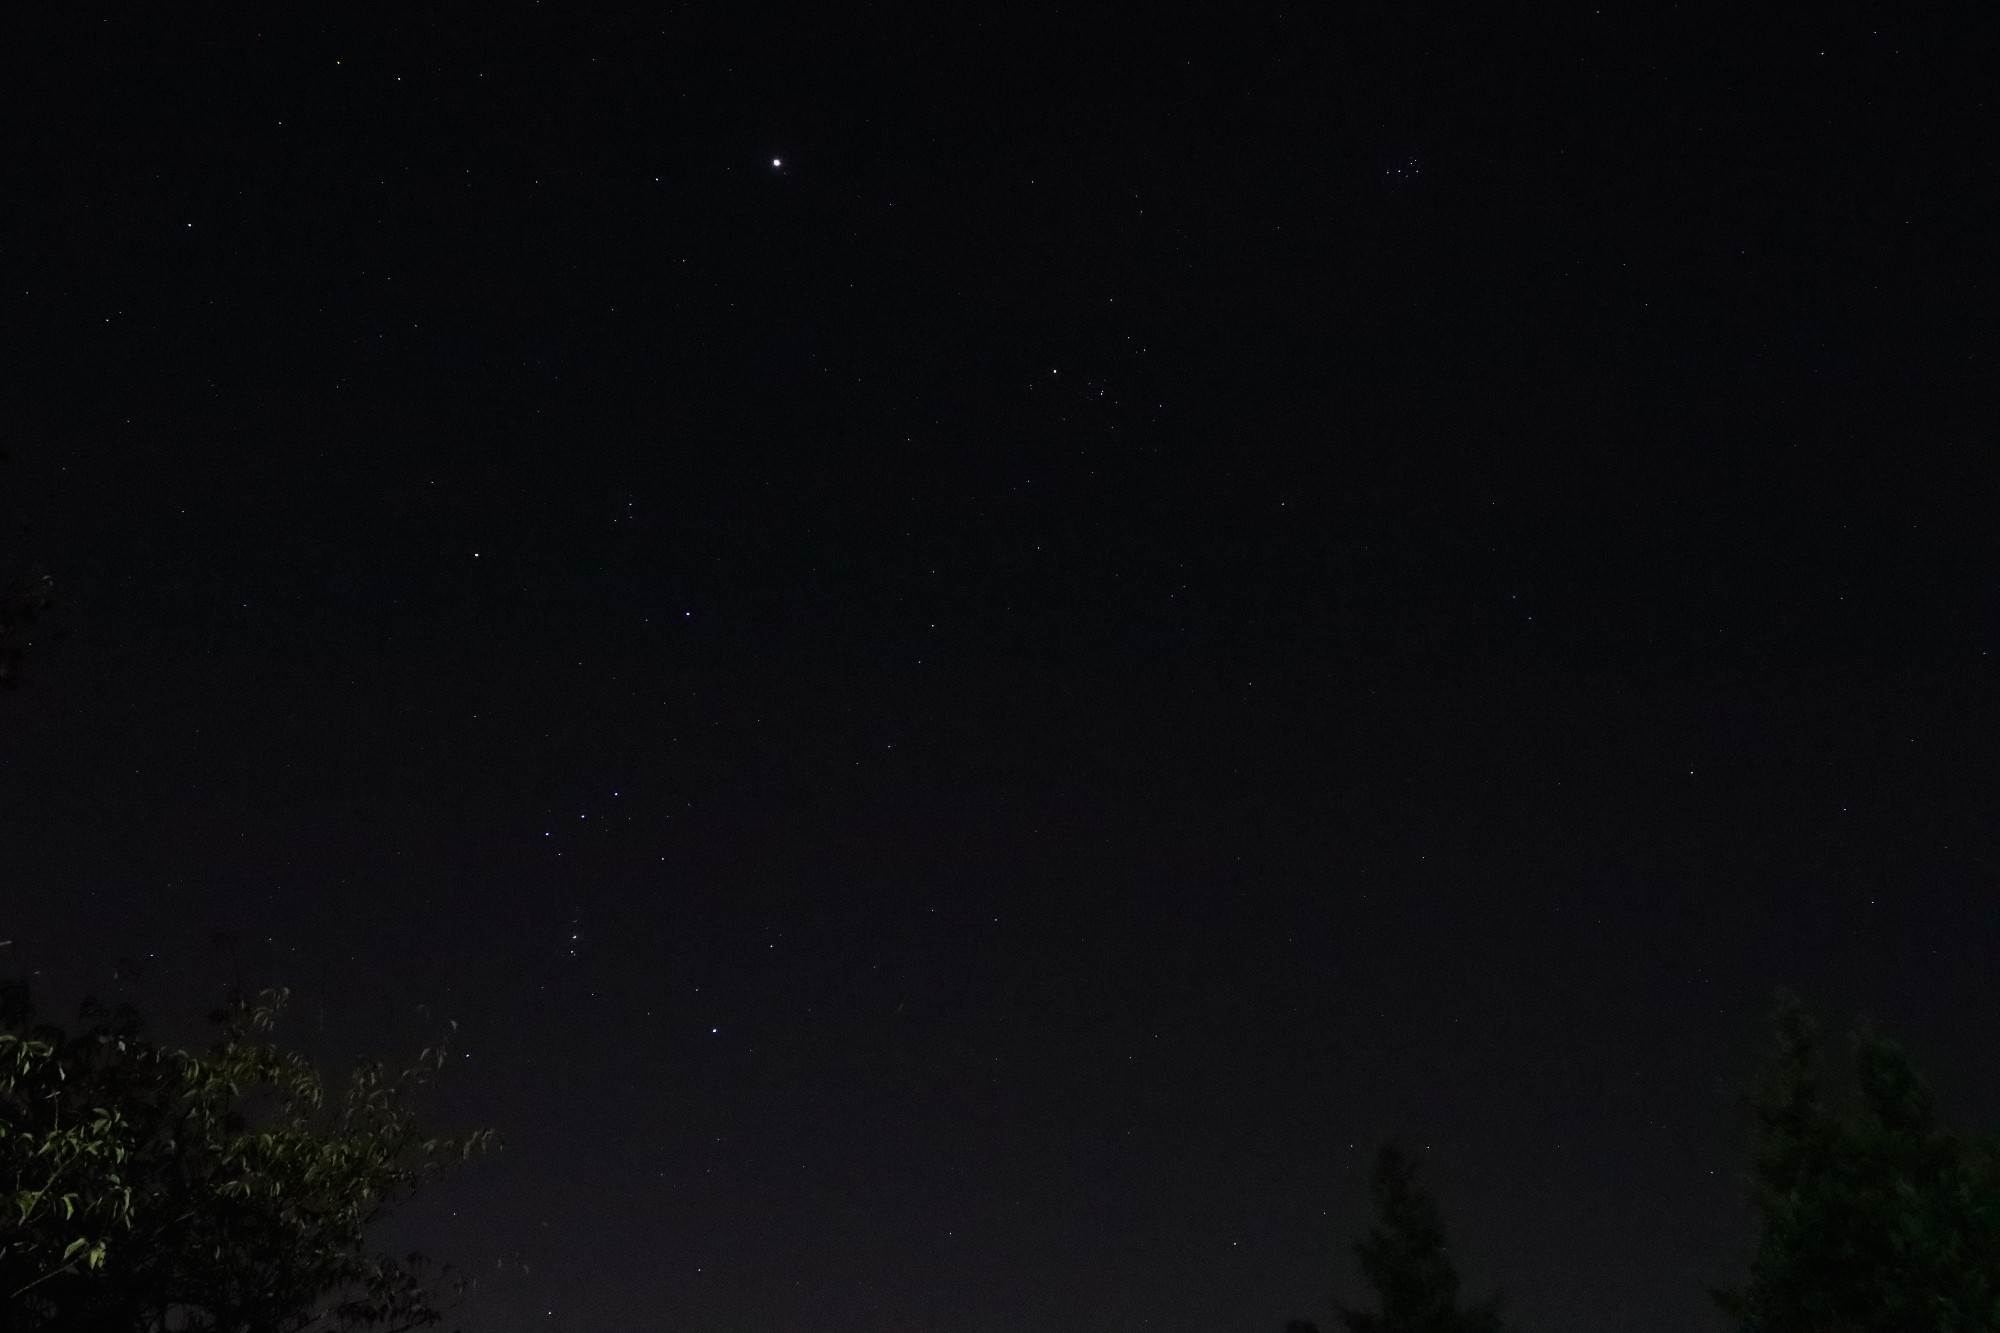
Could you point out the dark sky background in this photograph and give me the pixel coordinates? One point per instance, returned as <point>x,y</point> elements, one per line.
<point>966,722</point>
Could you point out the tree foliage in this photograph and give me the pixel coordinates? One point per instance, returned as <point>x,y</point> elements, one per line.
<point>1407,1262</point>
<point>144,1189</point>
<point>1872,1214</point>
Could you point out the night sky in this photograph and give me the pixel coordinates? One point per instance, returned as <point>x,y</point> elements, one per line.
<point>975,645</point>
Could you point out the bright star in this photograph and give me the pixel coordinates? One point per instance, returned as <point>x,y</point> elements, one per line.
<point>776,163</point>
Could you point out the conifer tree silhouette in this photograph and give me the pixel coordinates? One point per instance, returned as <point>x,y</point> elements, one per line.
<point>1405,1259</point>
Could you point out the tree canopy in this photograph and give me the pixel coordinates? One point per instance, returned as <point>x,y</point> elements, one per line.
<point>1406,1261</point>
<point>144,1189</point>
<point>1872,1213</point>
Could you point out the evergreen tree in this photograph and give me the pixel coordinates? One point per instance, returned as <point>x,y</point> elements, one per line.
<point>1405,1259</point>
<point>1872,1216</point>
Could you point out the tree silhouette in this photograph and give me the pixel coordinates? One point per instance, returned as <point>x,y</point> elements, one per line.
<point>145,1189</point>
<point>1405,1259</point>
<point>1872,1215</point>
